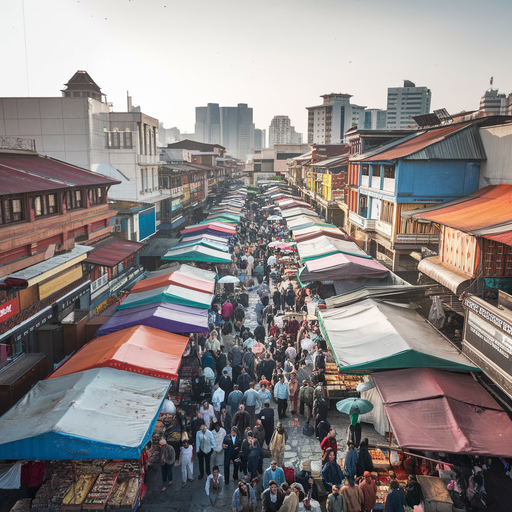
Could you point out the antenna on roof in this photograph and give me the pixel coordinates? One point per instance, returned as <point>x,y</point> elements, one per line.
<point>491,81</point>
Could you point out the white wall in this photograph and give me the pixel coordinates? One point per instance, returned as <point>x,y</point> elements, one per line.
<point>497,168</point>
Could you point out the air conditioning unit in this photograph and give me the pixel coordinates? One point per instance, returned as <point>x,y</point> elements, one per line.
<point>118,228</point>
<point>112,229</point>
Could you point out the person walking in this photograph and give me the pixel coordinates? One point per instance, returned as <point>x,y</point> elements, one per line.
<point>242,419</point>
<point>281,393</point>
<point>167,460</point>
<point>329,442</point>
<point>307,396</point>
<point>291,501</point>
<point>273,474</point>
<point>335,502</point>
<point>243,380</point>
<point>244,499</point>
<point>369,488</point>
<point>272,497</point>
<point>293,387</point>
<point>278,444</point>
<point>205,445</point>
<point>264,395</point>
<point>214,485</point>
<point>353,495</point>
<point>231,445</point>
<point>218,398</point>
<point>251,399</point>
<point>266,416</point>
<point>234,400</point>
<point>186,461</point>
<point>218,434</point>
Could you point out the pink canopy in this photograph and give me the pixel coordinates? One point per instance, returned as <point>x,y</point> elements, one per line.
<point>434,410</point>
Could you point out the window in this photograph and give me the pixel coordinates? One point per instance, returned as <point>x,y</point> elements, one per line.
<point>45,205</point>
<point>365,170</point>
<point>11,210</point>
<point>376,171</point>
<point>96,195</point>
<point>74,199</point>
<point>128,140</point>
<point>389,171</point>
<point>115,140</point>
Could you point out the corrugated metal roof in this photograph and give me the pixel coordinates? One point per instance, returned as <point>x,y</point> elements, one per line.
<point>32,173</point>
<point>158,246</point>
<point>329,162</point>
<point>452,142</point>
<point>114,252</point>
<point>487,211</point>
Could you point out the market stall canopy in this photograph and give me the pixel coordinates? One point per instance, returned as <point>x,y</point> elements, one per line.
<point>303,235</point>
<point>112,252</point>
<point>173,294</point>
<point>197,253</point>
<point>188,270</point>
<point>161,315</point>
<point>342,266</point>
<point>326,246</point>
<point>212,226</point>
<point>177,277</point>
<point>370,335</point>
<point>139,349</point>
<point>295,212</point>
<point>226,218</point>
<point>203,236</point>
<point>433,410</point>
<point>304,221</point>
<point>97,414</point>
<point>205,243</point>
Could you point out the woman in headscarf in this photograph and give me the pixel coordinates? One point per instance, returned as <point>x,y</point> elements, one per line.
<point>278,444</point>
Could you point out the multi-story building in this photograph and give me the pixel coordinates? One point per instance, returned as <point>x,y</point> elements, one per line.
<point>282,132</point>
<point>232,127</point>
<point>493,103</point>
<point>81,128</point>
<point>53,218</point>
<point>167,135</point>
<point>375,119</point>
<point>406,102</point>
<point>208,125</point>
<point>260,139</point>
<point>327,123</point>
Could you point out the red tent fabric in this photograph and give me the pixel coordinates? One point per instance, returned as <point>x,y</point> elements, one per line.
<point>433,410</point>
<point>140,349</point>
<point>176,278</point>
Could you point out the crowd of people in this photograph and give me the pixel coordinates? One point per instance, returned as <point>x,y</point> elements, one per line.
<point>251,378</point>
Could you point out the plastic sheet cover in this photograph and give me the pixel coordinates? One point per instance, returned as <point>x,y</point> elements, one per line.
<point>98,414</point>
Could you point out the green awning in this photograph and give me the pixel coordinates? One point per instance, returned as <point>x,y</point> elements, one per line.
<point>197,253</point>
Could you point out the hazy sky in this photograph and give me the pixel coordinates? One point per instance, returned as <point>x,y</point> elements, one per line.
<point>278,56</point>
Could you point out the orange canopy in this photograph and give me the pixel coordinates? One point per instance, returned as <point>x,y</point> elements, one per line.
<point>176,278</point>
<point>139,349</point>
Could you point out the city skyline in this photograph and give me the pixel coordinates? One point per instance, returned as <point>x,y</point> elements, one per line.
<point>171,60</point>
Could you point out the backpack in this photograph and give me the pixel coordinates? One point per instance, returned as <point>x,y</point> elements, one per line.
<point>289,475</point>
<point>243,264</point>
<point>308,429</point>
<point>227,328</point>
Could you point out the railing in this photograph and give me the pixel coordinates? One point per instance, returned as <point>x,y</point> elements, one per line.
<point>414,238</point>
<point>148,159</point>
<point>17,143</point>
<point>384,228</point>
<point>366,224</point>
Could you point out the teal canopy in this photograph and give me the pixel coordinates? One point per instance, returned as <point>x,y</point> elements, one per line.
<point>198,253</point>
<point>172,293</point>
<point>370,335</point>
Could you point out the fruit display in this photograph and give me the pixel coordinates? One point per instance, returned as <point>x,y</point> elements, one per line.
<point>78,492</point>
<point>336,381</point>
<point>100,493</point>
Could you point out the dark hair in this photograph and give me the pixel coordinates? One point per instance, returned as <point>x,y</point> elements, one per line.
<point>285,487</point>
<point>272,482</point>
<point>215,468</point>
<point>325,460</point>
<point>242,488</point>
<point>394,484</point>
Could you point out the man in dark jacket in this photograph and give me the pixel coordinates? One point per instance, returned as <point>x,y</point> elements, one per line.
<point>266,415</point>
<point>225,383</point>
<point>231,445</point>
<point>242,419</point>
<point>243,381</point>
<point>268,504</point>
<point>259,333</point>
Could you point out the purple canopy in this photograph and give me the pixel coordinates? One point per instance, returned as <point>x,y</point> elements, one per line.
<point>161,315</point>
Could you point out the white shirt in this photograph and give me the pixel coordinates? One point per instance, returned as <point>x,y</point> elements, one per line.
<point>271,261</point>
<point>207,414</point>
<point>217,399</point>
<point>250,259</point>
<point>219,438</point>
<point>186,454</point>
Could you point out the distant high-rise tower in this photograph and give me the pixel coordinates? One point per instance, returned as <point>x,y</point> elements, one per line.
<point>327,123</point>
<point>493,103</point>
<point>207,127</point>
<point>282,132</point>
<point>406,102</point>
<point>245,131</point>
<point>260,138</point>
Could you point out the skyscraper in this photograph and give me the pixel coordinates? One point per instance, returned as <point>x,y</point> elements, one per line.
<point>207,126</point>
<point>245,131</point>
<point>282,132</point>
<point>260,138</point>
<point>406,102</point>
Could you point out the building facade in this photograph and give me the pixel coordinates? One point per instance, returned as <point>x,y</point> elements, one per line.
<point>406,102</point>
<point>327,123</point>
<point>282,132</point>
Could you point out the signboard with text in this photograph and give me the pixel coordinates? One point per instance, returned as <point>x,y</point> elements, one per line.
<point>8,309</point>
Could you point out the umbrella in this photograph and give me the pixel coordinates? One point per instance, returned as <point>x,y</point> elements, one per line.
<point>354,406</point>
<point>274,217</point>
<point>365,386</point>
<point>228,279</point>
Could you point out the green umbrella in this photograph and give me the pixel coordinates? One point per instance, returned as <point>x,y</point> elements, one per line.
<point>354,406</point>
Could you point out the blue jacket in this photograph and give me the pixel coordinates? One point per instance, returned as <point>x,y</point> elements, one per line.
<point>331,473</point>
<point>277,475</point>
<point>251,397</point>
<point>281,390</point>
<point>351,463</point>
<point>236,504</point>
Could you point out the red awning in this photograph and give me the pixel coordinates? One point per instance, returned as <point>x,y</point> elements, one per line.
<point>109,255</point>
<point>439,411</point>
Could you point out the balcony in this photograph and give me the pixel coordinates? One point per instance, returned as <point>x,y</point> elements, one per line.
<point>148,159</point>
<point>384,228</point>
<point>361,222</point>
<point>415,238</point>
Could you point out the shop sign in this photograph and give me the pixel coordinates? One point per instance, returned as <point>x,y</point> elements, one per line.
<point>73,295</point>
<point>54,285</point>
<point>489,334</point>
<point>8,309</point>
